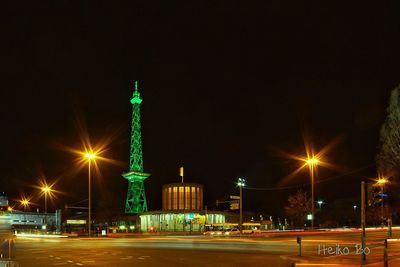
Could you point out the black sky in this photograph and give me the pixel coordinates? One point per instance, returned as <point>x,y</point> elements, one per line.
<point>224,84</point>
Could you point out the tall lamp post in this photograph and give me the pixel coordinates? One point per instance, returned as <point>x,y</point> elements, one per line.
<point>320,203</point>
<point>312,164</point>
<point>25,203</point>
<point>45,190</point>
<point>381,182</point>
<point>241,183</point>
<point>89,156</point>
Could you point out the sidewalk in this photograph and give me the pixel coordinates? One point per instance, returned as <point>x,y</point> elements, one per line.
<point>374,259</point>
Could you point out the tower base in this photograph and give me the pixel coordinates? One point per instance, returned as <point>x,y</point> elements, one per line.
<point>136,197</point>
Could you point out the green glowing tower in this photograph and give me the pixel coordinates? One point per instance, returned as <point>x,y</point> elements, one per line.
<point>136,197</point>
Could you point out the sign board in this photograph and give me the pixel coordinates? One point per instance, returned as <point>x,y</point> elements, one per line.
<point>235,197</point>
<point>309,217</point>
<point>199,219</point>
<point>76,221</point>
<point>234,206</point>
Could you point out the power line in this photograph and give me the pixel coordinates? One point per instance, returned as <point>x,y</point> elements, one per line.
<point>306,184</point>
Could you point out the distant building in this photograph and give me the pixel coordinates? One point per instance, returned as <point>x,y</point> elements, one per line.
<point>27,221</point>
<point>3,200</point>
<point>182,221</point>
<point>182,211</point>
<point>182,196</point>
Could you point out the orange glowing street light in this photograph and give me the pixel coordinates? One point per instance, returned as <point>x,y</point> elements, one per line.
<point>382,181</point>
<point>46,190</point>
<point>24,202</point>
<point>89,156</point>
<point>312,163</point>
<point>312,160</point>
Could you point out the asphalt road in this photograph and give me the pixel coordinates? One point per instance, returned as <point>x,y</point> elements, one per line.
<point>144,252</point>
<point>274,250</point>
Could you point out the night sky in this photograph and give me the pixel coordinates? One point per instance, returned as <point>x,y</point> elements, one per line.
<point>225,85</point>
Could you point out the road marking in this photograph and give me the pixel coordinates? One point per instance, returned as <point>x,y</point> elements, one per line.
<point>51,256</point>
<point>60,263</point>
<point>70,261</point>
<point>319,264</point>
<point>80,264</point>
<point>141,258</point>
<point>58,258</point>
<point>87,261</point>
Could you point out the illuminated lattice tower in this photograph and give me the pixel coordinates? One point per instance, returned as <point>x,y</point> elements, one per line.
<point>136,197</point>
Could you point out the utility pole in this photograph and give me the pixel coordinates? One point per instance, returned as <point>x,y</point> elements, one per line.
<point>240,183</point>
<point>241,211</point>
<point>363,255</point>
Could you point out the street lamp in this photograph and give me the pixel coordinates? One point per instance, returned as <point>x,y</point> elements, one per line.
<point>381,182</point>
<point>89,156</point>
<point>25,203</point>
<point>320,202</point>
<point>45,190</point>
<point>312,163</point>
<point>241,183</point>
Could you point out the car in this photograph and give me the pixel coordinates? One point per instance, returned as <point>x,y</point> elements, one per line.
<point>213,233</point>
<point>233,231</point>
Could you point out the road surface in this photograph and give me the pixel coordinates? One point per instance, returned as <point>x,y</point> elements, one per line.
<point>270,250</point>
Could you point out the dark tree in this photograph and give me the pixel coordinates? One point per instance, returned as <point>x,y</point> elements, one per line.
<point>388,158</point>
<point>298,207</point>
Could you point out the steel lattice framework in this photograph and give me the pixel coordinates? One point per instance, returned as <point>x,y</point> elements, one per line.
<point>136,197</point>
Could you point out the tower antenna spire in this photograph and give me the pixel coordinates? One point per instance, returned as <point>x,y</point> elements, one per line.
<point>136,197</point>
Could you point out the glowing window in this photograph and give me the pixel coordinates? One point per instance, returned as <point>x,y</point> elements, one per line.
<point>169,198</point>
<point>193,198</point>
<point>181,198</point>
<point>175,198</point>
<point>187,197</point>
<point>197,198</point>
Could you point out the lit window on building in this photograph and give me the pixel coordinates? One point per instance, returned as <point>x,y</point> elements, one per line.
<point>175,198</point>
<point>194,198</point>
<point>187,198</point>
<point>181,198</point>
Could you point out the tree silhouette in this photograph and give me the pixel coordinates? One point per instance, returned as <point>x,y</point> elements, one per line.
<point>388,158</point>
<point>299,205</point>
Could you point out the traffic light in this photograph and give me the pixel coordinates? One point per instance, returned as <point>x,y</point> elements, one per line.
<point>370,195</point>
<point>375,194</point>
